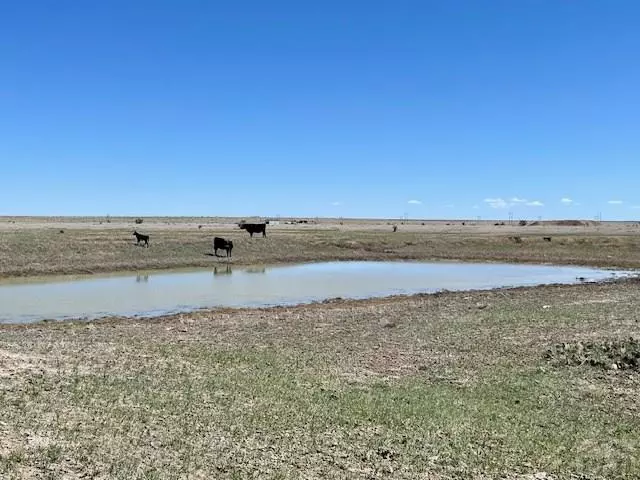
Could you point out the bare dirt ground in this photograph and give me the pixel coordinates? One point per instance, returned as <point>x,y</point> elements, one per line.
<point>483,384</point>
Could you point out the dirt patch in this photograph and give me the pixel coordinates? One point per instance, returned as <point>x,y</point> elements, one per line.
<point>14,363</point>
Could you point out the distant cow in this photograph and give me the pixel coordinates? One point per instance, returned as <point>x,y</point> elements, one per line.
<point>254,228</point>
<point>516,239</point>
<point>141,238</point>
<point>546,239</point>
<point>222,244</point>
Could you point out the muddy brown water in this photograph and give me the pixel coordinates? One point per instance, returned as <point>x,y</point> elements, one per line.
<point>164,292</point>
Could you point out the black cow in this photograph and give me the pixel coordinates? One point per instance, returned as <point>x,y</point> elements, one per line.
<point>141,238</point>
<point>254,228</point>
<point>222,244</point>
<point>546,239</point>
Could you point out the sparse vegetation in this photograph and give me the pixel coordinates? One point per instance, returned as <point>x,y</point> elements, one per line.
<point>430,386</point>
<point>87,247</point>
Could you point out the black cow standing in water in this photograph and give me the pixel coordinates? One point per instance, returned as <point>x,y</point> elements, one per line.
<point>222,244</point>
<point>141,238</point>
<point>254,228</point>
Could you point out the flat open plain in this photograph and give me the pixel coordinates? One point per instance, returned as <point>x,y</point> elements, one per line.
<point>35,246</point>
<point>521,383</point>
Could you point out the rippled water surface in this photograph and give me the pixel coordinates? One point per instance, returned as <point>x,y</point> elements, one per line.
<point>161,292</point>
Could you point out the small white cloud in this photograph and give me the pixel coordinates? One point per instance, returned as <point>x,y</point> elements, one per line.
<point>535,203</point>
<point>415,202</point>
<point>336,204</point>
<point>615,202</point>
<point>496,202</point>
<point>635,206</point>
<point>566,201</point>
<point>518,200</point>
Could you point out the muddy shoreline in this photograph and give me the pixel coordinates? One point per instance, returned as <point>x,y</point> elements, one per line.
<point>203,314</point>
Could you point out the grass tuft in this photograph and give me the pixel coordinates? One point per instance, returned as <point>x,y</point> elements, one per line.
<point>607,354</point>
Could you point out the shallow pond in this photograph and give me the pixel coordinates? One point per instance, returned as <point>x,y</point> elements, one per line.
<point>162,292</point>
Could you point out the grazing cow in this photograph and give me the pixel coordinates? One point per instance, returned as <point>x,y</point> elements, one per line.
<point>141,238</point>
<point>222,244</point>
<point>395,228</point>
<point>516,239</point>
<point>546,239</point>
<point>254,228</point>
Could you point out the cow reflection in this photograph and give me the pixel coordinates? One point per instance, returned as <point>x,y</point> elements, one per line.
<point>256,270</point>
<point>142,278</point>
<point>226,270</point>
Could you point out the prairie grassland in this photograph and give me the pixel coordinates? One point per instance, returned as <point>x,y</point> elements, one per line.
<point>444,386</point>
<point>38,248</point>
<point>454,385</point>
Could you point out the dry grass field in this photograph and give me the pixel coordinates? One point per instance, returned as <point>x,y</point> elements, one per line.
<point>35,246</point>
<point>485,384</point>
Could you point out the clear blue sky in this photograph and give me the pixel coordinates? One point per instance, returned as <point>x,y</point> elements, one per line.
<point>447,109</point>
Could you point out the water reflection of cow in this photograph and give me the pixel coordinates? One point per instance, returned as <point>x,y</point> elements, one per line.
<point>254,228</point>
<point>142,278</point>
<point>226,270</point>
<point>256,270</point>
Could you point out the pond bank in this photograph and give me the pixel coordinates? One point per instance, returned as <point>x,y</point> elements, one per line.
<point>151,294</point>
